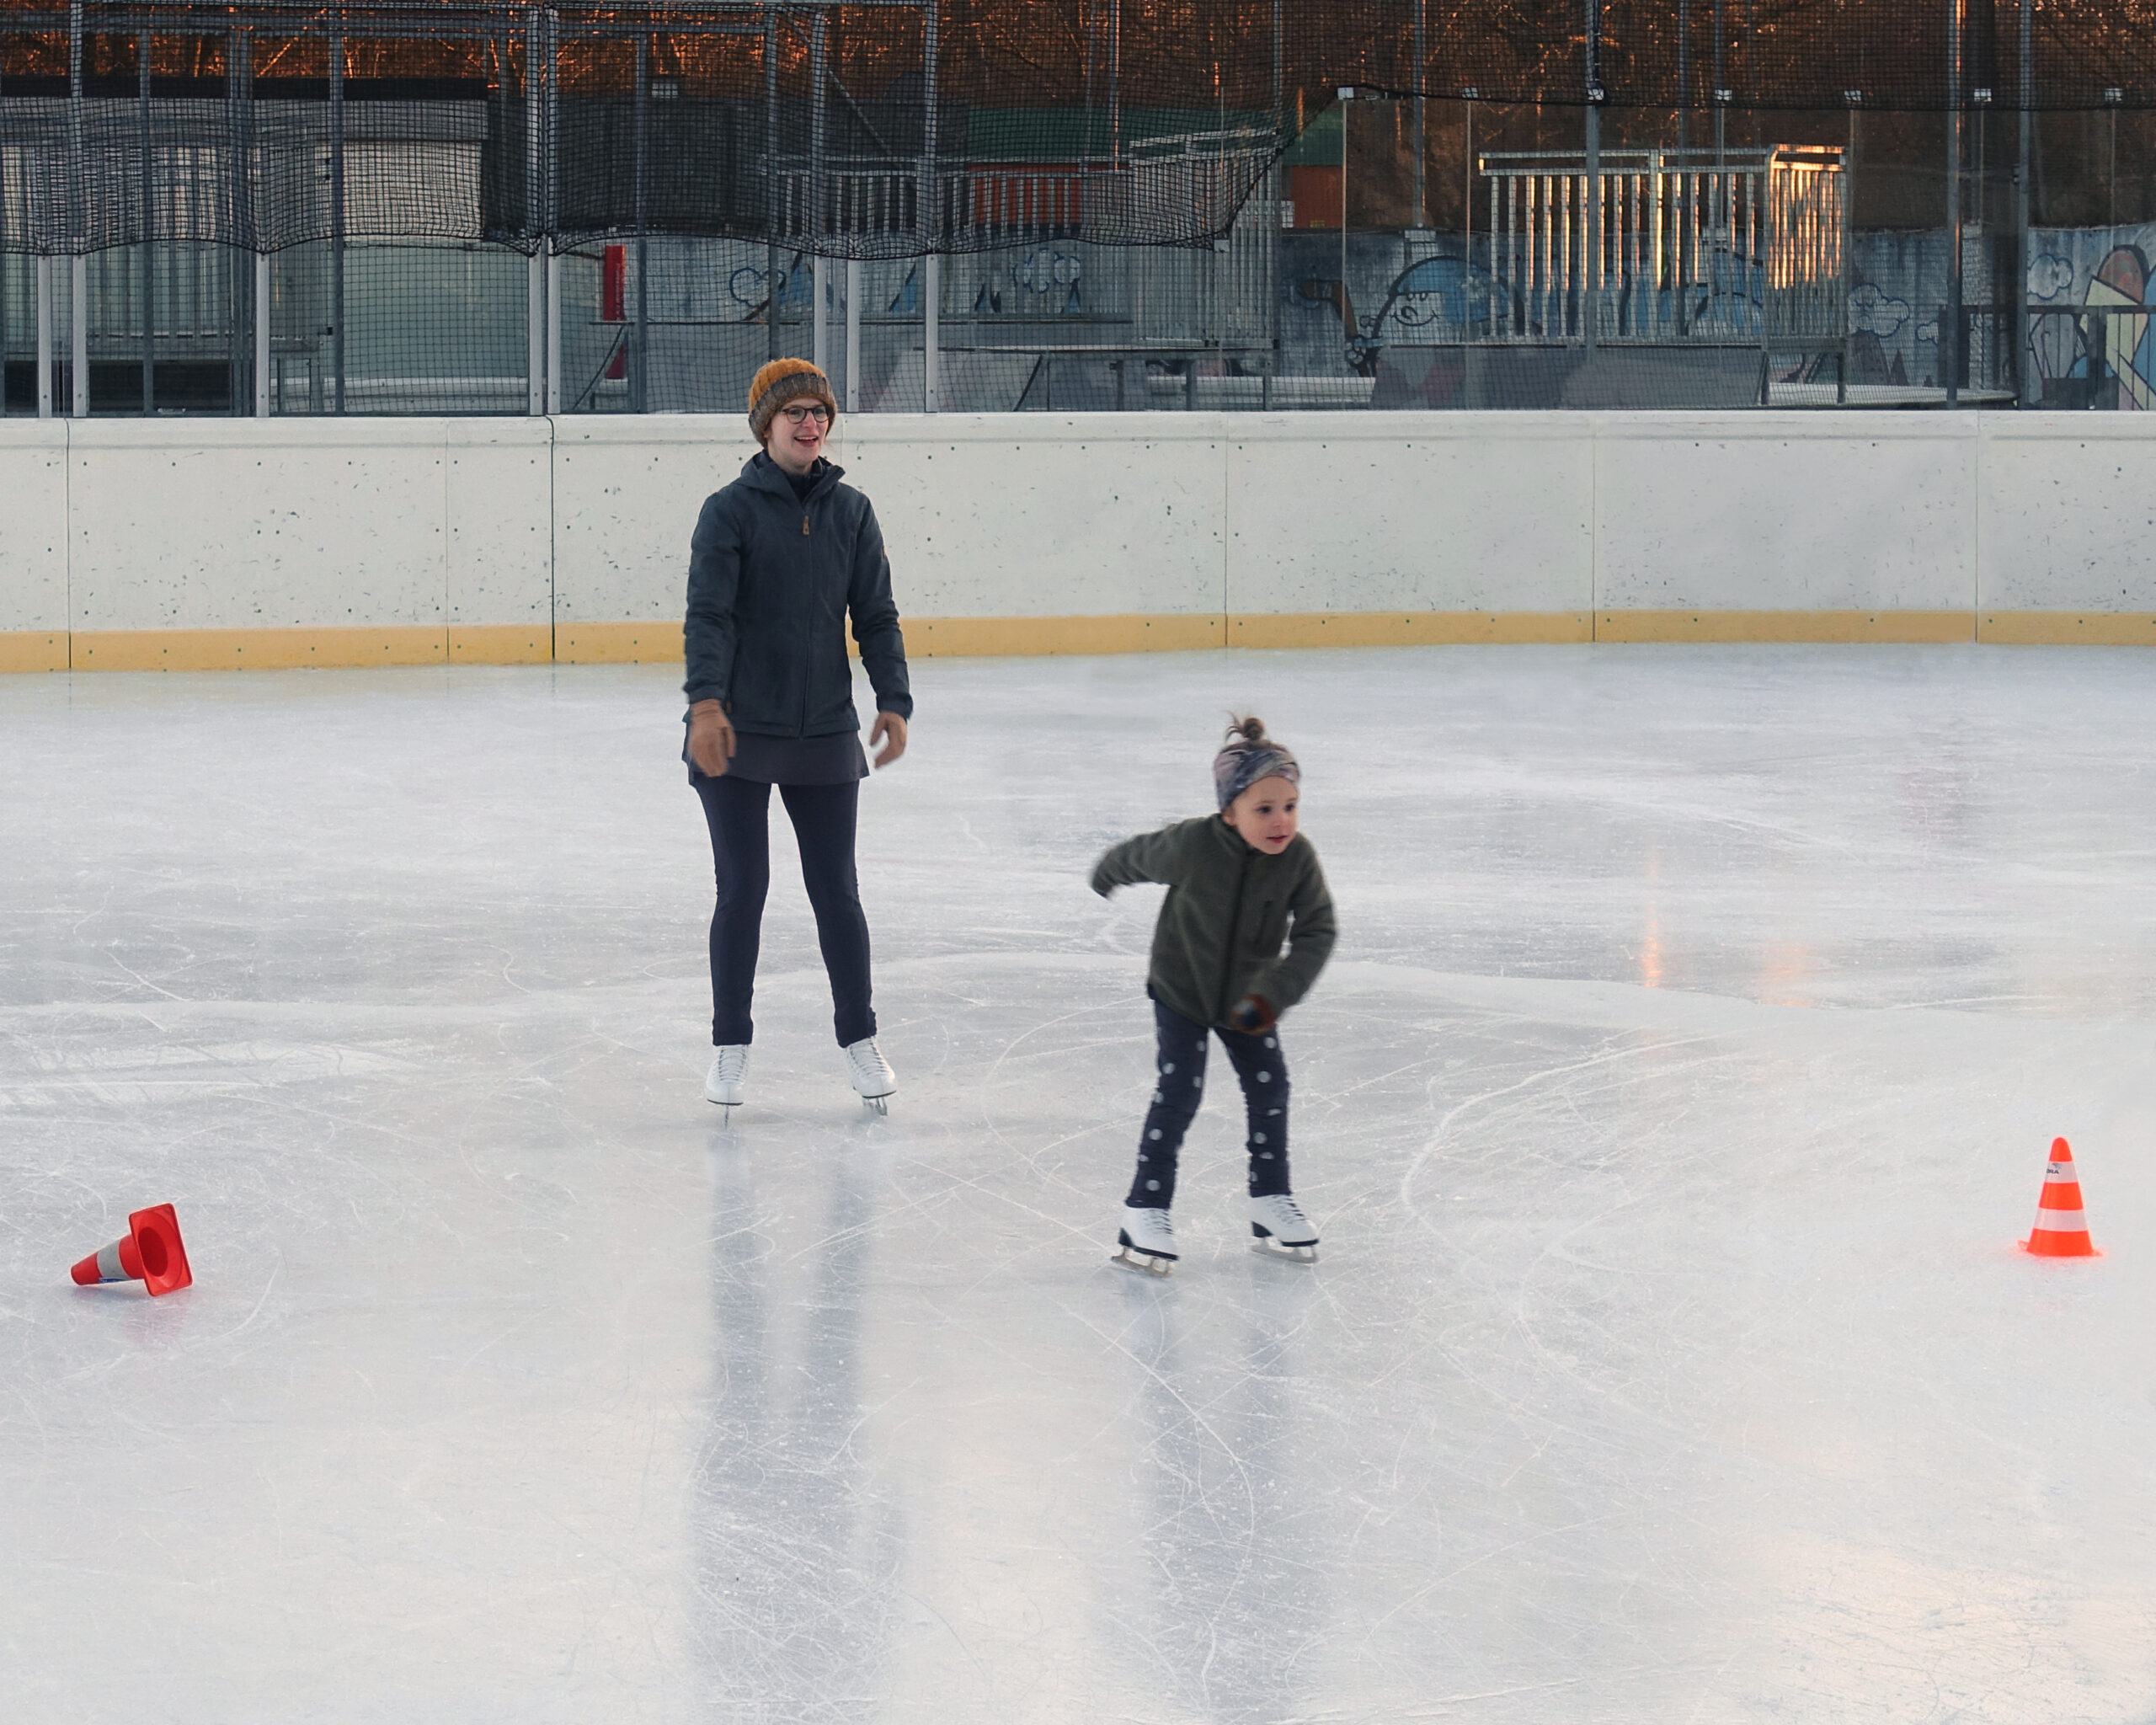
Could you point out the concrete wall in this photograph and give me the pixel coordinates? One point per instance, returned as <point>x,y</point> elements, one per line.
<point>186,543</point>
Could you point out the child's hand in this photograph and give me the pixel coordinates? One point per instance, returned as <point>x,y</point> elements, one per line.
<point>1253,1015</point>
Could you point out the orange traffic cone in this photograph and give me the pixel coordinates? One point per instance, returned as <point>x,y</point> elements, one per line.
<point>150,1252</point>
<point>2061,1230</point>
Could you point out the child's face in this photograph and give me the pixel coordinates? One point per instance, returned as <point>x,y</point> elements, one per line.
<point>1265,816</point>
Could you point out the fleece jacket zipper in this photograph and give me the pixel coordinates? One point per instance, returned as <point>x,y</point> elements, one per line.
<point>1235,925</point>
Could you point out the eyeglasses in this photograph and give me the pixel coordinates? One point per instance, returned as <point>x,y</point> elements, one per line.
<point>793,416</point>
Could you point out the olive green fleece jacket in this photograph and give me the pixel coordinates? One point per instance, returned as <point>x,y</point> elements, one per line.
<point>1229,908</point>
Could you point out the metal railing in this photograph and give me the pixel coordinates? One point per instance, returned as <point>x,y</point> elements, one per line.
<point>1660,246</point>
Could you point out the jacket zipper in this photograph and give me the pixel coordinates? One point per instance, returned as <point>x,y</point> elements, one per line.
<point>1235,929</point>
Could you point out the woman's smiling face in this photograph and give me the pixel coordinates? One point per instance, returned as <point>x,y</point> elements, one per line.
<point>796,437</point>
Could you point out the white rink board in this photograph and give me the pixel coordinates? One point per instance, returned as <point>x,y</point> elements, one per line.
<point>627,493</point>
<point>2067,504</point>
<point>210,524</point>
<point>33,526</point>
<point>230,524</point>
<point>1411,512</point>
<point>1786,512</point>
<point>1041,514</point>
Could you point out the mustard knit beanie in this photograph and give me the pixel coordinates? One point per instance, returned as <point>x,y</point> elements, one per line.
<point>783,380</point>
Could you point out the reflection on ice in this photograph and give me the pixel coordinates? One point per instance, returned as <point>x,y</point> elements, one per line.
<point>1684,1079</point>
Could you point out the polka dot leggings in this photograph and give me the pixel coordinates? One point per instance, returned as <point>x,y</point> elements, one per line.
<point>1179,1078</point>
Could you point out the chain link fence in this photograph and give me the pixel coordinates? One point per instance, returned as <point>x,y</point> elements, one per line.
<point>254,208</point>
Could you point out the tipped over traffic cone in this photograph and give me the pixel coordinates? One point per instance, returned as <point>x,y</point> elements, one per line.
<point>149,1252</point>
<point>2062,1230</point>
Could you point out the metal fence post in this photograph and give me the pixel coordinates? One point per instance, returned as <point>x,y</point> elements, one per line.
<point>639,397</point>
<point>78,275</point>
<point>1950,343</point>
<point>853,335</point>
<point>932,264</point>
<point>773,346</point>
<point>149,277</point>
<point>534,222</point>
<point>337,209</point>
<point>44,338</point>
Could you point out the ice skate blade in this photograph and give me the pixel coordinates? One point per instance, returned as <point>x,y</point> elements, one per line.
<point>1265,1245</point>
<point>880,1106</point>
<point>1145,1264</point>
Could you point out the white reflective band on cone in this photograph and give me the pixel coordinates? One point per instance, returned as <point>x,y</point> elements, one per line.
<point>2048,1221</point>
<point>108,1270</point>
<point>2061,1174</point>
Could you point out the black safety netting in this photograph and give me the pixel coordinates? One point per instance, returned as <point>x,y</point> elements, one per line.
<point>1076,204</point>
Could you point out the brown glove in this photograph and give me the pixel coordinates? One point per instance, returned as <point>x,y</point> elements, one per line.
<point>711,739</point>
<point>1253,1015</point>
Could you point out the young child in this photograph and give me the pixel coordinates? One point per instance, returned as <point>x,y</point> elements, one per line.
<point>1239,882</point>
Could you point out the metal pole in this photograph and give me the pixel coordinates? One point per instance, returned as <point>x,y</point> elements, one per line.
<point>534,224</point>
<point>1949,337</point>
<point>1591,282</point>
<point>1721,89</point>
<point>78,283</point>
<point>149,226</point>
<point>818,268</point>
<point>239,86</point>
<point>1422,61</point>
<point>262,310</point>
<point>44,338</point>
<point>932,271</point>
<point>638,382</point>
<point>336,211</point>
<point>2024,250</point>
<point>78,335</point>
<point>551,212</point>
<point>1683,75</point>
<point>853,335</point>
<point>1115,82</point>
<point>1347,305</point>
<point>771,184</point>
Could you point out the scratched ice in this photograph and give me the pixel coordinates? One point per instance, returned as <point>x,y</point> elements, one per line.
<point>1681,1085</point>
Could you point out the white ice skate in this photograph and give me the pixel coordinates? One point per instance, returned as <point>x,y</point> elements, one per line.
<point>722,1083</point>
<point>873,1080</point>
<point>1146,1241</point>
<point>1281,1230</point>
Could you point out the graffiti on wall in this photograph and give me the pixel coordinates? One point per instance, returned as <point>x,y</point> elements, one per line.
<point>2090,343</point>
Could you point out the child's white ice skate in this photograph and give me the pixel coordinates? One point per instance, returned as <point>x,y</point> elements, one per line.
<point>1281,1230</point>
<point>1146,1241</point>
<point>873,1080</point>
<point>722,1083</point>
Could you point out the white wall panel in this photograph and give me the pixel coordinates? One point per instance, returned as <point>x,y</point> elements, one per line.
<point>33,525</point>
<point>1046,515</point>
<point>2068,506</point>
<point>1786,511</point>
<point>627,494</point>
<point>1410,512</point>
<point>223,524</point>
<point>500,505</point>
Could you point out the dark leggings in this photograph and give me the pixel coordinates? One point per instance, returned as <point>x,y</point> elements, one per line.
<point>739,813</point>
<point>1179,1075</point>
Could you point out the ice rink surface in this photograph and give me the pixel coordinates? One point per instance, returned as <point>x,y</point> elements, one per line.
<point>1679,1089</point>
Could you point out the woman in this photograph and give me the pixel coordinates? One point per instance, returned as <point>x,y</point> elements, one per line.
<point>781,558</point>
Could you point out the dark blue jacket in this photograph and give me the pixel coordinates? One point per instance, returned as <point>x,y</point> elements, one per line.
<point>771,581</point>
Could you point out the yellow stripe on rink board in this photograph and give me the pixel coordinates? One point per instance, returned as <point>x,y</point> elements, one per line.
<point>659,643</point>
<point>501,643</point>
<point>1779,625</point>
<point>997,636</point>
<point>32,649</point>
<point>2068,628</point>
<point>1407,628</point>
<point>254,650</point>
<point>618,643</point>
